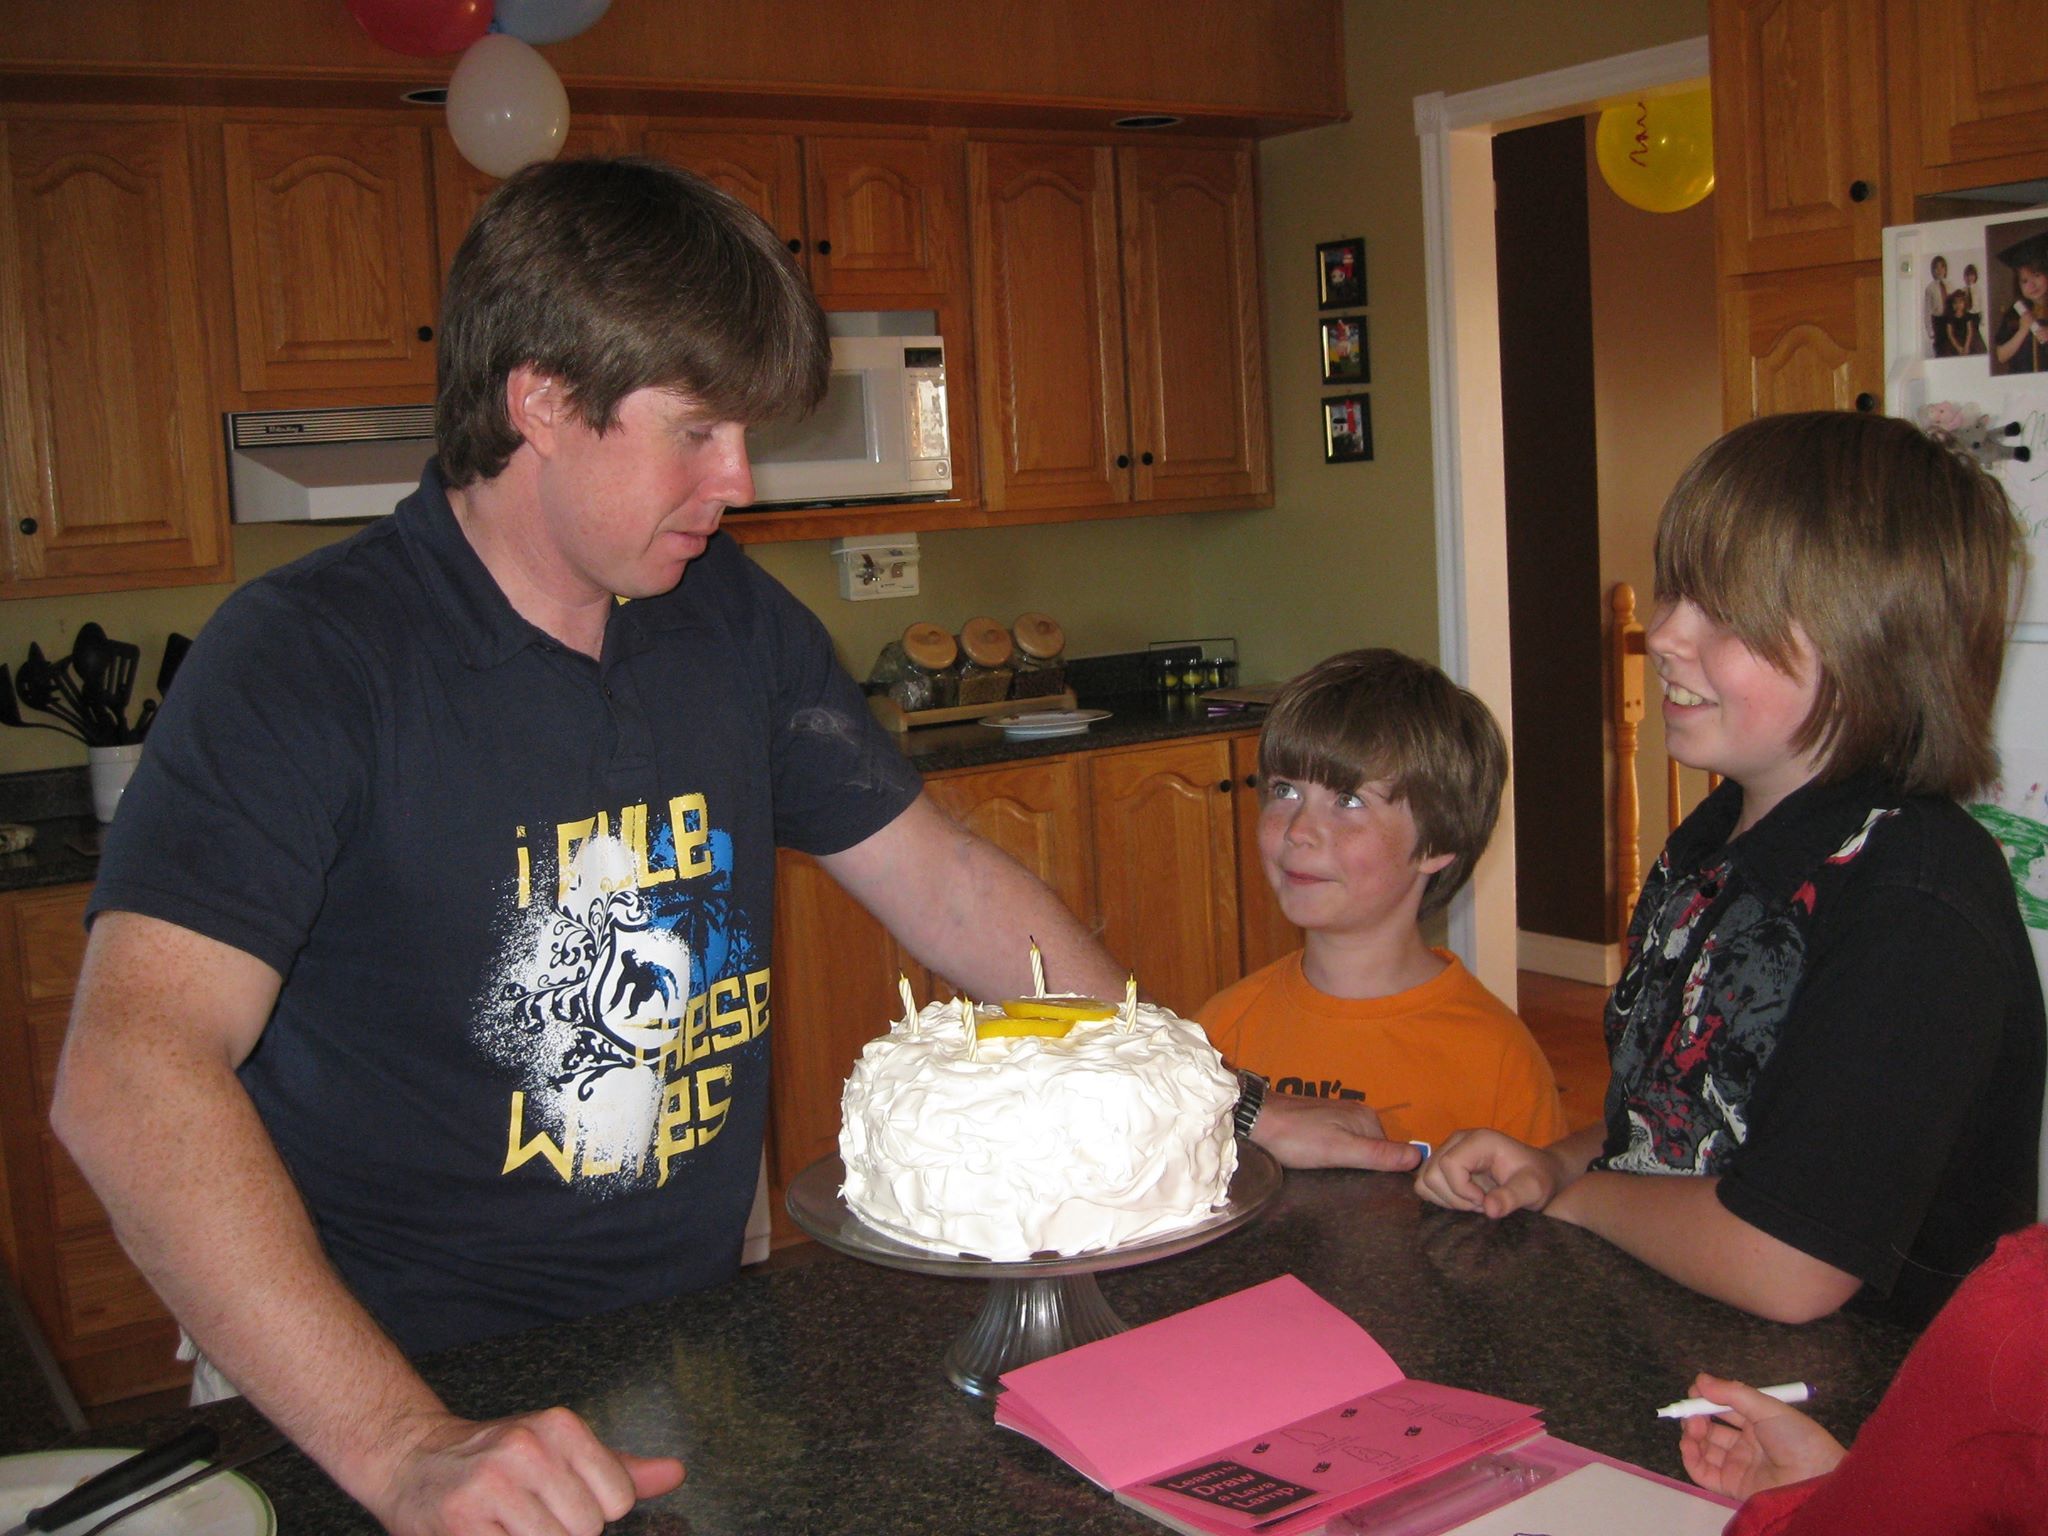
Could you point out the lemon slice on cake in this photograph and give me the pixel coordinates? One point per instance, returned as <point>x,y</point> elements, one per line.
<point>1047,1016</point>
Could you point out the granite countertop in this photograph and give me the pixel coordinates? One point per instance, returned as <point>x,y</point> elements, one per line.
<point>808,1396</point>
<point>57,802</point>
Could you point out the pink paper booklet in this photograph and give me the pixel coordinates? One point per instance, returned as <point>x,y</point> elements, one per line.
<point>1268,1410</point>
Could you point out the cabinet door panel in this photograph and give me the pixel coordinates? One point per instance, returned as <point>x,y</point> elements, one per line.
<point>1802,341</point>
<point>833,989</point>
<point>1035,812</point>
<point>333,254</point>
<point>113,460</point>
<point>1265,934</point>
<point>1048,324</point>
<point>1983,79</point>
<point>881,218</point>
<point>1798,122</point>
<point>762,170</point>
<point>1191,287</point>
<point>1166,867</point>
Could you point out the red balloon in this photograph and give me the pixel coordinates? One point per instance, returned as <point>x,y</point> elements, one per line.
<point>423,26</point>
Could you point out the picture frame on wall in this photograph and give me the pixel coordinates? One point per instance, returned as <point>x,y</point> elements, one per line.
<point>1340,272</point>
<point>1346,359</point>
<point>1347,429</point>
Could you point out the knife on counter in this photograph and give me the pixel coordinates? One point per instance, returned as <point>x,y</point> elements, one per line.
<point>123,1478</point>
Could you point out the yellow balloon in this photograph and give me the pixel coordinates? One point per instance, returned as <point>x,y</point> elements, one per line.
<point>1658,153</point>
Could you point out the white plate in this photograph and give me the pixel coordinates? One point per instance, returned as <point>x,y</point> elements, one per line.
<point>226,1504</point>
<point>1045,722</point>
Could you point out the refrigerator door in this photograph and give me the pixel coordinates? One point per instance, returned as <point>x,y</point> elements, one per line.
<point>1943,364</point>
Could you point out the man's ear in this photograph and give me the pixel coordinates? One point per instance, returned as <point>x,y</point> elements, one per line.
<point>536,404</point>
<point>1430,863</point>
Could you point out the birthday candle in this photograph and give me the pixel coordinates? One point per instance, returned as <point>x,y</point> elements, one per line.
<point>1127,1018</point>
<point>909,1004</point>
<point>967,1020</point>
<point>1037,971</point>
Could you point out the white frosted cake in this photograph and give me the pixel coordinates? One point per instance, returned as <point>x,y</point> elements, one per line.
<point>1039,1125</point>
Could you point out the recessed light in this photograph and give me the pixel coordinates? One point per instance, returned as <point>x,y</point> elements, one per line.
<point>1145,120</point>
<point>427,96</point>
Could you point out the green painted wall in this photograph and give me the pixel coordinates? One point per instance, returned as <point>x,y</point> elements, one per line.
<point>1347,555</point>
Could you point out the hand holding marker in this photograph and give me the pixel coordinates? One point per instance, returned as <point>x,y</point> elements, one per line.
<point>1694,1407</point>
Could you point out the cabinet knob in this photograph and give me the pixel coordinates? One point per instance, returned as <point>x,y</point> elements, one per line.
<point>795,245</point>
<point>824,247</point>
<point>1123,461</point>
<point>1223,788</point>
<point>1251,781</point>
<point>1859,191</point>
<point>28,527</point>
<point>426,333</point>
<point>1144,458</point>
<point>1866,402</point>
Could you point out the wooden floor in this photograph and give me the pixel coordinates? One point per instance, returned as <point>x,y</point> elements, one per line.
<point>1564,1016</point>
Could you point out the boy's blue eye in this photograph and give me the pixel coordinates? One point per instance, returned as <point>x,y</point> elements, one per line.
<point>1280,789</point>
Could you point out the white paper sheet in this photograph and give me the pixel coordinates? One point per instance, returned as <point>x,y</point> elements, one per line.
<point>1599,1500</point>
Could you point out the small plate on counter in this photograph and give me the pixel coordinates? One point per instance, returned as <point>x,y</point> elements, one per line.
<point>227,1504</point>
<point>1041,723</point>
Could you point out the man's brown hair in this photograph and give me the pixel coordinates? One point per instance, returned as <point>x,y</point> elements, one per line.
<point>1371,715</point>
<point>617,275</point>
<point>1896,556</point>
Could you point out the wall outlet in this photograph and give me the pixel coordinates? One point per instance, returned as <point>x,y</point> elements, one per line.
<point>879,565</point>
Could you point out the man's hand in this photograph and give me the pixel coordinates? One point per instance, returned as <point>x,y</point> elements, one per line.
<point>1491,1172</point>
<point>1761,1444</point>
<point>541,1473</point>
<point>1329,1133</point>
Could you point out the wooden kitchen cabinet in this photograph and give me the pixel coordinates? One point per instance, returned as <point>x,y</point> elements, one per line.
<point>110,1334</point>
<point>1802,341</point>
<point>874,219</point>
<point>832,989</point>
<point>1193,323</point>
<point>331,238</point>
<point>1264,934</point>
<point>113,474</point>
<point>1036,812</point>
<point>1118,325</point>
<point>1166,897</point>
<point>1972,107</point>
<point>1799,138</point>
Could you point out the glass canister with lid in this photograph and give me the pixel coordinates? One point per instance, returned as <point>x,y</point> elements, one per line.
<point>1041,657</point>
<point>985,670</point>
<point>918,671</point>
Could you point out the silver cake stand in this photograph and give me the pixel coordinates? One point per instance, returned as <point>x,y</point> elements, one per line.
<point>1035,1307</point>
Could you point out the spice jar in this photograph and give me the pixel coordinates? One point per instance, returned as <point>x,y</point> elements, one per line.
<point>1041,649</point>
<point>918,670</point>
<point>985,670</point>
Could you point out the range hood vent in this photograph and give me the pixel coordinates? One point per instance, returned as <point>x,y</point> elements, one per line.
<point>342,465</point>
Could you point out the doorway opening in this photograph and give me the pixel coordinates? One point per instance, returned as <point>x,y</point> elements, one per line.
<point>1469,447</point>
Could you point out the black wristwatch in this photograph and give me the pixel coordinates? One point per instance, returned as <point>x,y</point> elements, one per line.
<point>1251,1098</point>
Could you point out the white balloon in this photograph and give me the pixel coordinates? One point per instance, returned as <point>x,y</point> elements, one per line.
<point>506,106</point>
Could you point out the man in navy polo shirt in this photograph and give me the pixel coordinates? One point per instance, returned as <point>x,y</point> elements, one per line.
<point>427,995</point>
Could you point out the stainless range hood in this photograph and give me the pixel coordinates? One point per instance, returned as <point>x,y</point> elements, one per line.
<point>338,465</point>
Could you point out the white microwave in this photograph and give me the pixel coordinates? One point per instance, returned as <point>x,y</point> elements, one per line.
<point>880,434</point>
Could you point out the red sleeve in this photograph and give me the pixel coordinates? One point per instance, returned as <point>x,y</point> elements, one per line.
<point>1960,1441</point>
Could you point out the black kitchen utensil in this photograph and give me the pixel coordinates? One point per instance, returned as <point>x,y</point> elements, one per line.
<point>127,656</point>
<point>10,711</point>
<point>262,1446</point>
<point>38,688</point>
<point>92,662</point>
<point>175,647</point>
<point>121,1479</point>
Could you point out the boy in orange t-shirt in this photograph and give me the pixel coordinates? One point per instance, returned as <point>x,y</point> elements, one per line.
<point>1381,781</point>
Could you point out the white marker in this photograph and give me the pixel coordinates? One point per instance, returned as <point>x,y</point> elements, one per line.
<point>1693,1407</point>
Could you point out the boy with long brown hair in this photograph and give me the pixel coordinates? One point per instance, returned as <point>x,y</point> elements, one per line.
<point>1827,1036</point>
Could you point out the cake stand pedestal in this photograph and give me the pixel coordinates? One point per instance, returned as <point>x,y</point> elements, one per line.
<point>1035,1307</point>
